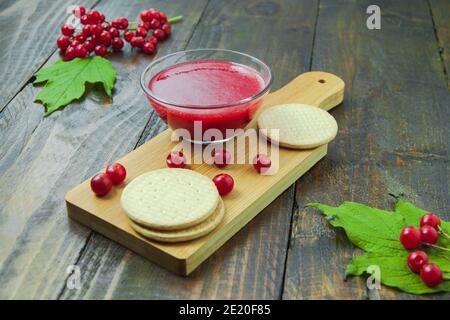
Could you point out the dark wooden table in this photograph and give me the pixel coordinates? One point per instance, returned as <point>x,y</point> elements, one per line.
<point>393,137</point>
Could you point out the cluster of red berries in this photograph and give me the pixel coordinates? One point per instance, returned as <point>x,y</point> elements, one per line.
<point>142,38</point>
<point>102,183</point>
<point>99,36</point>
<point>221,158</point>
<point>412,237</point>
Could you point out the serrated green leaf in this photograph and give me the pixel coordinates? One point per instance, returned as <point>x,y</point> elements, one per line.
<point>377,233</point>
<point>369,228</point>
<point>394,272</point>
<point>412,214</point>
<point>66,81</point>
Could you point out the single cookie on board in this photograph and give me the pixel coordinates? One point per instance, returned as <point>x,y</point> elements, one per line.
<point>170,199</point>
<point>194,232</point>
<point>300,126</point>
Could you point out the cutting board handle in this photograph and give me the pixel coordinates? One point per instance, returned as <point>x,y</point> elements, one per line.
<point>322,89</point>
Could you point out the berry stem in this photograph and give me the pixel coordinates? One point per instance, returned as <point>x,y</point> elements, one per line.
<point>443,233</point>
<point>175,19</point>
<point>437,247</point>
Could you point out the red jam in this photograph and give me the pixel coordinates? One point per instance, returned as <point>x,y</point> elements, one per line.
<point>201,90</point>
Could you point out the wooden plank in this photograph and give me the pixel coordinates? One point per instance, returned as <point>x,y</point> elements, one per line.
<point>251,264</point>
<point>440,10</point>
<point>42,158</point>
<point>28,38</point>
<point>393,137</point>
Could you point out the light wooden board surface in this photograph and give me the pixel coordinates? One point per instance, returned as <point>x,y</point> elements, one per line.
<point>252,192</point>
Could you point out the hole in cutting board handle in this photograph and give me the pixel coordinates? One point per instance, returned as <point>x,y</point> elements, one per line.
<point>322,81</point>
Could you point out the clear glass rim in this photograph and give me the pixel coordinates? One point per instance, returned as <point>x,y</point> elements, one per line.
<point>210,106</point>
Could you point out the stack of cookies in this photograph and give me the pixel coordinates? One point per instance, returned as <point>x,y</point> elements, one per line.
<point>172,205</point>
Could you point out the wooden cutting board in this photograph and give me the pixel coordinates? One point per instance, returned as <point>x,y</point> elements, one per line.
<point>251,194</point>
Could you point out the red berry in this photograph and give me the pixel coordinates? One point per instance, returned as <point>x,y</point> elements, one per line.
<point>70,53</point>
<point>117,43</point>
<point>105,38</point>
<point>94,39</point>
<point>80,51</point>
<point>141,32</point>
<point>80,37</point>
<point>176,159</point>
<point>123,23</point>
<point>261,163</point>
<point>96,29</point>
<point>114,32</point>
<point>116,173</point>
<point>410,237</point>
<point>428,235</point>
<point>145,15</point>
<point>431,274</point>
<point>430,219</point>
<point>416,260</point>
<point>88,45</point>
<point>86,31</point>
<point>154,24</point>
<point>221,158</point>
<point>159,34</point>
<point>84,19</point>
<point>143,25</point>
<point>106,26</point>
<point>116,23</point>
<point>101,50</point>
<point>101,184</point>
<point>79,11</point>
<point>75,43</point>
<point>63,42</point>
<point>153,14</point>
<point>148,48</point>
<point>93,15</point>
<point>137,42</point>
<point>162,17</point>
<point>67,29</point>
<point>101,18</point>
<point>128,35</point>
<point>166,28</point>
<point>153,40</point>
<point>224,183</point>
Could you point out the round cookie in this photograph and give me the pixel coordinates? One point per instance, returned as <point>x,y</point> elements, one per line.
<point>190,233</point>
<point>301,126</point>
<point>170,199</point>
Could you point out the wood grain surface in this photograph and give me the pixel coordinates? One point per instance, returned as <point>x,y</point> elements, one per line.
<point>394,137</point>
<point>440,11</point>
<point>45,157</point>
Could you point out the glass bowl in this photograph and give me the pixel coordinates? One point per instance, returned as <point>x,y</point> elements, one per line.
<point>224,117</point>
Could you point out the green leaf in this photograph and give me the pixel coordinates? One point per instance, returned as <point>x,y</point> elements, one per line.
<point>412,214</point>
<point>394,272</point>
<point>377,233</point>
<point>369,228</point>
<point>66,81</point>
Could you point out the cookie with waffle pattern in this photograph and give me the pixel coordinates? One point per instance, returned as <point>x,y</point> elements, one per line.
<point>300,126</point>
